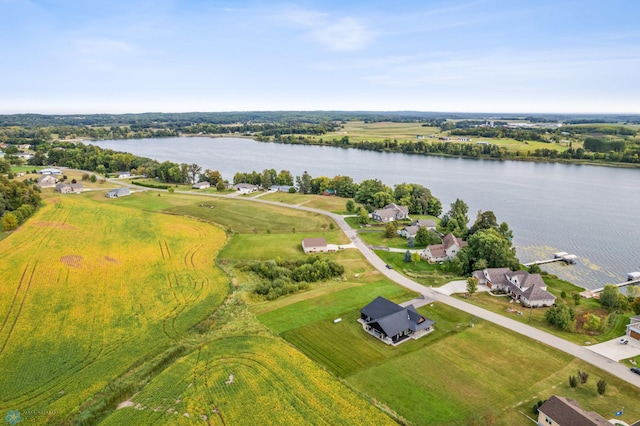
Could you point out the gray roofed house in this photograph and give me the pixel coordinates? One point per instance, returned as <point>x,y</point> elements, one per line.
<point>425,223</point>
<point>245,188</point>
<point>118,192</point>
<point>449,248</point>
<point>392,323</point>
<point>68,188</point>
<point>409,231</point>
<point>529,289</point>
<point>561,411</point>
<point>47,181</point>
<point>390,212</point>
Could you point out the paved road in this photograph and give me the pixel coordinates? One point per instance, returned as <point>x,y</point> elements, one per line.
<point>577,351</point>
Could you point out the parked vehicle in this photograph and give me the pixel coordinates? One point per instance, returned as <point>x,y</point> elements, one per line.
<point>635,370</point>
<point>623,341</point>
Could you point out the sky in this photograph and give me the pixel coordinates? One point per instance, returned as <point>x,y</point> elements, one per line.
<point>528,56</point>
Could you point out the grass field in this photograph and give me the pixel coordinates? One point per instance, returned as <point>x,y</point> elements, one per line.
<point>90,289</point>
<point>331,204</point>
<point>253,218</point>
<point>402,132</point>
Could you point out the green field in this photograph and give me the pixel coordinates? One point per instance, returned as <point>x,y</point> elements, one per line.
<point>328,203</point>
<point>358,131</point>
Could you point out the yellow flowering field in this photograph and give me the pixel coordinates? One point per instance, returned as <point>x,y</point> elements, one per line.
<point>89,288</point>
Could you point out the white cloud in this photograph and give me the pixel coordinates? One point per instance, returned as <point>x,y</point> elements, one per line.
<point>341,34</point>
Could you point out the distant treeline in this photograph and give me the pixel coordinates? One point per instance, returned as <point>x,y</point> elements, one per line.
<point>173,120</point>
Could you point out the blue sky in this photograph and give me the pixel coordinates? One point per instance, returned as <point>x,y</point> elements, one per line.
<point>80,56</point>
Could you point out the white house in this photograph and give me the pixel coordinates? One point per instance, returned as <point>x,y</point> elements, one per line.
<point>201,185</point>
<point>390,213</point>
<point>245,188</point>
<point>412,230</point>
<point>50,171</point>
<point>449,248</point>
<point>118,192</point>
<point>529,289</point>
<point>314,245</point>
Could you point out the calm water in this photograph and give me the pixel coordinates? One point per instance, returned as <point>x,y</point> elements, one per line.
<point>585,210</point>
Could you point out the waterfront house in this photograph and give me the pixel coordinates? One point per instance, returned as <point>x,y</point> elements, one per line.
<point>633,329</point>
<point>390,213</point>
<point>449,248</point>
<point>392,323</point>
<point>528,289</point>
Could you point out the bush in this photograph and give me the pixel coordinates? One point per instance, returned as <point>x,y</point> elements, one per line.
<point>573,381</point>
<point>601,386</point>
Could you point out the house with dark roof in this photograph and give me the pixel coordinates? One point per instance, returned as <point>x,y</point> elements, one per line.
<point>390,213</point>
<point>314,245</point>
<point>528,289</point>
<point>449,248</point>
<point>392,323</point>
<point>560,411</point>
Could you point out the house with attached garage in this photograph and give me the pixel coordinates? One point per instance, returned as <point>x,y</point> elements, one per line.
<point>411,230</point>
<point>392,323</point>
<point>69,188</point>
<point>633,329</point>
<point>449,248</point>
<point>245,188</point>
<point>390,213</point>
<point>528,289</point>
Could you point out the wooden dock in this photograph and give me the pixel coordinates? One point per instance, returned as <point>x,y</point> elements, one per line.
<point>557,257</point>
<point>595,292</point>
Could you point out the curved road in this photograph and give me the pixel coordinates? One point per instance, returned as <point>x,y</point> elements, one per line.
<point>593,358</point>
<point>577,351</point>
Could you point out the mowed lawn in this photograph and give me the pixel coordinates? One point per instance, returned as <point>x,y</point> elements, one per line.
<point>91,287</point>
<point>247,217</point>
<point>247,380</point>
<point>467,369</point>
<point>329,203</point>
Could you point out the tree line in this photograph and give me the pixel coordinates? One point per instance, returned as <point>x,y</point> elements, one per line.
<point>18,201</point>
<point>280,277</point>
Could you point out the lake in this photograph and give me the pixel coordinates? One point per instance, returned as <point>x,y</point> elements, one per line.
<point>588,211</point>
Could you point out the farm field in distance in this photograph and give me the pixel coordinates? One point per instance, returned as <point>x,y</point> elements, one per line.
<point>358,131</point>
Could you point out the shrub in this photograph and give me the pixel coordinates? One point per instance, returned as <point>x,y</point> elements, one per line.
<point>601,386</point>
<point>573,381</point>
